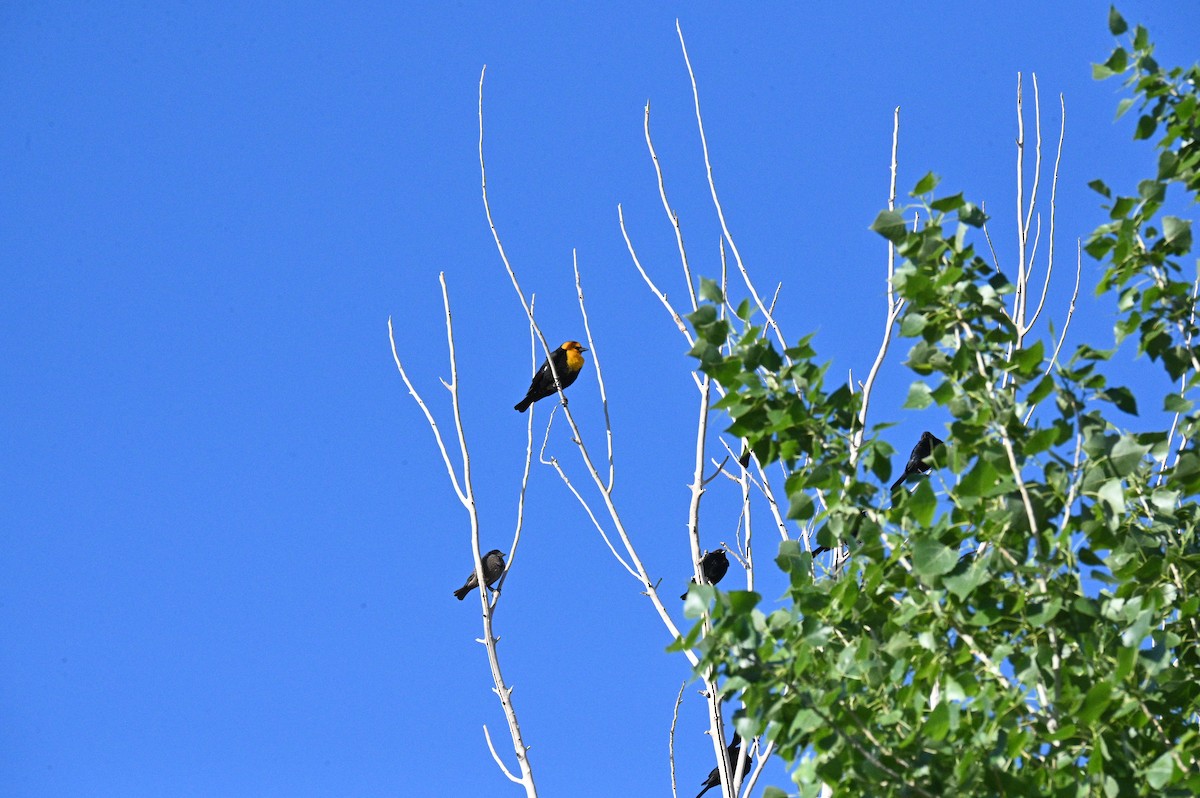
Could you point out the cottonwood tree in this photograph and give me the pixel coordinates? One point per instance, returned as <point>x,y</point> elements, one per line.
<point>1024,622</point>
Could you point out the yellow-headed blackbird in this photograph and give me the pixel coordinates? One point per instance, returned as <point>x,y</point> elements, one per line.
<point>916,461</point>
<point>714,778</point>
<point>493,566</point>
<point>568,360</point>
<point>713,565</point>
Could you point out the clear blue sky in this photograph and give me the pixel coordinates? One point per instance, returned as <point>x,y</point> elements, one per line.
<point>227,544</point>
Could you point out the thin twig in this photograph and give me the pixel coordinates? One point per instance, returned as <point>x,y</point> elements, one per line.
<point>587,508</point>
<point>988,237</point>
<point>752,779</point>
<point>587,329</point>
<point>1020,203</point>
<point>1062,132</point>
<point>895,308</point>
<point>1183,387</point>
<point>428,416</point>
<point>512,552</point>
<point>1070,309</point>
<point>675,317</point>
<point>737,256</point>
<point>671,213</point>
<point>671,739</point>
<point>499,762</point>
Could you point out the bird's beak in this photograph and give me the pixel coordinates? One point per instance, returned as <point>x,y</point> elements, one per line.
<point>583,349</point>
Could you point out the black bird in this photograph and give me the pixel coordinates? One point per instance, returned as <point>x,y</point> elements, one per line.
<point>714,778</point>
<point>568,360</point>
<point>493,566</point>
<point>713,565</point>
<point>916,461</point>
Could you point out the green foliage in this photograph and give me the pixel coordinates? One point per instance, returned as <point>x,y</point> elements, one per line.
<point>1025,622</point>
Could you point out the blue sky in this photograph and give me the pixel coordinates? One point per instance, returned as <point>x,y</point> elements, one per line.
<point>228,542</point>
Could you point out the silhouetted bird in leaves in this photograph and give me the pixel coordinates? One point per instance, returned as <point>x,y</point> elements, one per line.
<point>714,778</point>
<point>493,566</point>
<point>916,461</point>
<point>713,565</point>
<point>568,360</point>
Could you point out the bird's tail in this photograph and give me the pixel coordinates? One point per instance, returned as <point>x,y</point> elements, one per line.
<point>523,405</point>
<point>462,592</point>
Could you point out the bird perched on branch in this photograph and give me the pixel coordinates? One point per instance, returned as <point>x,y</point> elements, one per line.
<point>714,778</point>
<point>713,566</point>
<point>568,360</point>
<point>916,461</point>
<point>493,566</point>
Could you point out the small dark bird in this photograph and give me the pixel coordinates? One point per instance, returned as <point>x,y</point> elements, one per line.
<point>714,778</point>
<point>713,565</point>
<point>568,360</point>
<point>916,461</point>
<point>744,460</point>
<point>493,566</point>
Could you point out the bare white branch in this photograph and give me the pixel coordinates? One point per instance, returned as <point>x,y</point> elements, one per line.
<point>675,317</point>
<point>671,214</point>
<point>1070,308</point>
<point>499,762</point>
<point>1062,132</point>
<point>737,256</point>
<point>895,308</point>
<point>752,778</point>
<point>587,328</point>
<point>671,739</point>
<point>428,416</point>
<point>1183,387</point>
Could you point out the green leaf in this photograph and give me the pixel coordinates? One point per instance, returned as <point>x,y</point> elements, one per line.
<point>918,397</point>
<point>742,601</point>
<point>1027,361</point>
<point>912,324</point>
<point>947,204</point>
<point>1161,771</point>
<point>1174,403</point>
<point>801,506</point>
<point>972,214</point>
<point>710,291</point>
<point>925,184</point>
<point>931,558</point>
<point>1141,38</point>
<point>939,721</point>
<point>1121,397</point>
<point>1177,233</point>
<point>1146,126</point>
<point>1043,389</point>
<point>963,583</point>
<point>1118,61</point>
<point>1116,23</point>
<point>1100,187</point>
<point>891,226</point>
<point>774,792</point>
<point>922,503</point>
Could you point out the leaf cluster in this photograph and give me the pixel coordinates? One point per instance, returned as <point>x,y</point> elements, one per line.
<point>1025,621</point>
